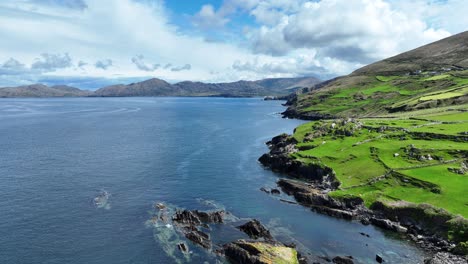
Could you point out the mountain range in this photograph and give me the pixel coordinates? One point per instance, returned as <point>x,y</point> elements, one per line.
<point>158,87</point>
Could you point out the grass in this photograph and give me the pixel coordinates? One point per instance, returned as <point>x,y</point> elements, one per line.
<point>416,169</point>
<point>377,95</point>
<point>438,77</point>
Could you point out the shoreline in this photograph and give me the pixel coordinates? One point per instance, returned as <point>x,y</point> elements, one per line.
<point>310,185</point>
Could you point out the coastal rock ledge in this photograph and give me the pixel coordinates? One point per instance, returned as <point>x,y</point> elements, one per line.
<point>434,229</point>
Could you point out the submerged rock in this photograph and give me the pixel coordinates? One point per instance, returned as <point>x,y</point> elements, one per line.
<point>245,252</point>
<point>254,229</point>
<point>102,200</point>
<point>343,260</point>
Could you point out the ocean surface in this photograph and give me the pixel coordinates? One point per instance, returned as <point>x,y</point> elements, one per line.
<point>58,155</point>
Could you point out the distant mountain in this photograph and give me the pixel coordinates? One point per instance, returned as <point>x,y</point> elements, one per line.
<point>151,87</point>
<point>157,87</point>
<point>40,90</point>
<point>432,76</point>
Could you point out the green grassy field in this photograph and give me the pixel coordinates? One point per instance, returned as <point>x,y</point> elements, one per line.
<point>378,95</point>
<point>395,158</point>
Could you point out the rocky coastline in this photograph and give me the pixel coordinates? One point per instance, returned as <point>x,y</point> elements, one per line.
<point>310,185</point>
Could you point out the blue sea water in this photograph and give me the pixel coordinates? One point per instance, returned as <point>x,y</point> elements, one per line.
<point>57,155</point>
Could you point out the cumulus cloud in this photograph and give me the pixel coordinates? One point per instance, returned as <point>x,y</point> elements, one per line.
<point>209,18</point>
<point>51,62</point>
<point>103,64</point>
<point>355,31</point>
<point>12,67</point>
<point>141,65</point>
<point>186,67</point>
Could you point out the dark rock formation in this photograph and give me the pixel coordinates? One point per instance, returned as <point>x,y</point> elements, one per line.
<point>200,238</point>
<point>254,229</point>
<point>343,260</point>
<point>182,247</point>
<point>378,258</point>
<point>275,191</point>
<point>198,217</point>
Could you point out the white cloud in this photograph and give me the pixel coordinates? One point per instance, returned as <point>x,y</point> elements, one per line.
<point>355,30</point>
<point>290,38</point>
<point>142,65</point>
<point>51,62</point>
<point>103,64</point>
<point>186,67</point>
<point>209,18</point>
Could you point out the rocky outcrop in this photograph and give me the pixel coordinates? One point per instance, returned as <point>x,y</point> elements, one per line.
<point>446,258</point>
<point>254,229</point>
<point>247,252</point>
<point>389,225</point>
<point>429,227</point>
<point>279,160</point>
<point>319,200</point>
<point>199,237</point>
<point>189,223</point>
<point>198,217</point>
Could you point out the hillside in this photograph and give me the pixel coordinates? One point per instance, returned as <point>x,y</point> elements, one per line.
<point>157,87</point>
<point>39,90</point>
<point>388,145</point>
<point>151,87</point>
<point>430,76</point>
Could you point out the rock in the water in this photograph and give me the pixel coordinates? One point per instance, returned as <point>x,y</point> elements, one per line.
<point>364,234</point>
<point>275,191</point>
<point>254,229</point>
<point>211,217</point>
<point>200,238</point>
<point>186,217</point>
<point>195,218</point>
<point>378,258</point>
<point>265,190</point>
<point>343,260</point>
<point>245,252</point>
<point>182,247</point>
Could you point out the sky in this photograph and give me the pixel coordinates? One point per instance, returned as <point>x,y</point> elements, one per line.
<point>94,43</point>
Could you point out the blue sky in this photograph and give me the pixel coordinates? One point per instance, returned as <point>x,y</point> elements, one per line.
<point>90,44</point>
